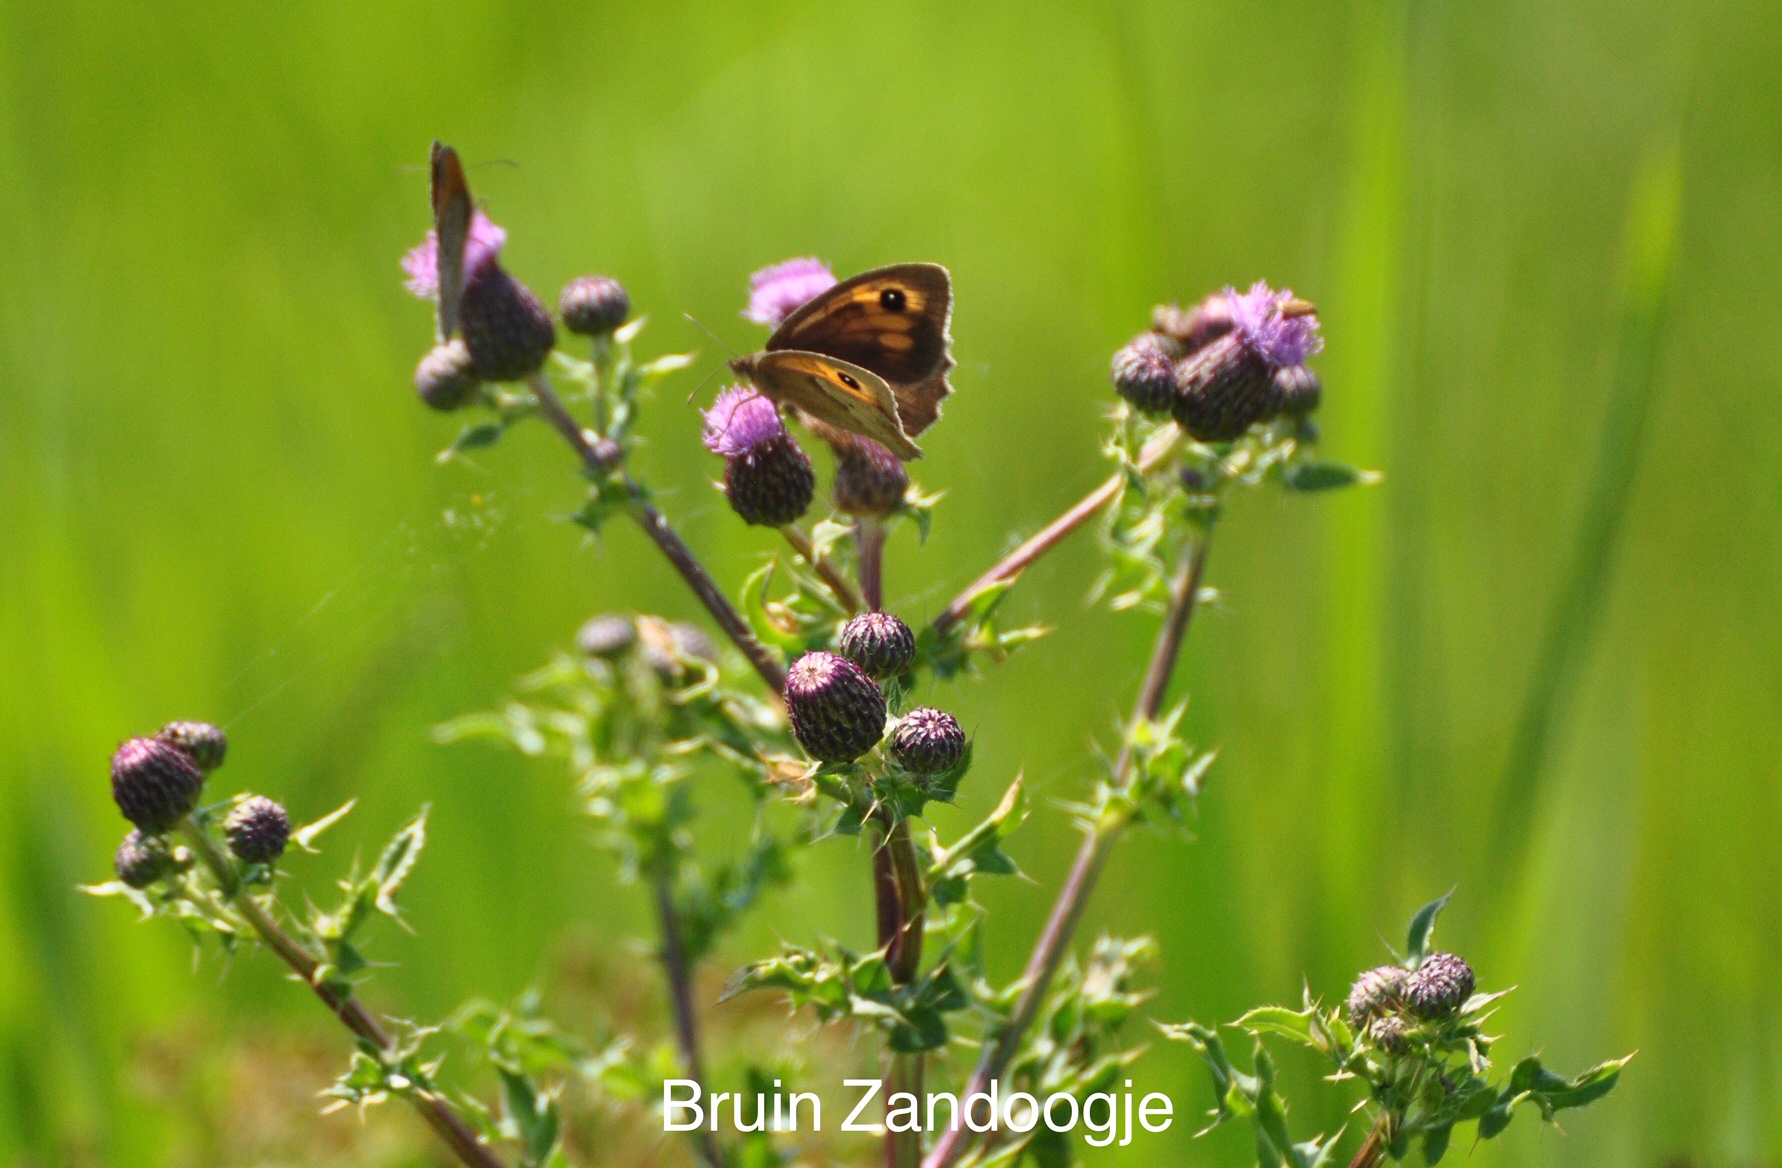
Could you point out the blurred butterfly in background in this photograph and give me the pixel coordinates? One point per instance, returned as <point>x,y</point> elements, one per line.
<point>869,356</point>
<point>451,229</point>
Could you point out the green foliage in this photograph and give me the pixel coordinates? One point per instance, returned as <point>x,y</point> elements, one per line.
<point>837,984</point>
<point>1423,1075</point>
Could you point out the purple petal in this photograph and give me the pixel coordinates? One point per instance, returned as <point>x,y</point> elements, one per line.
<point>1278,340</point>
<point>739,421</point>
<point>777,292</point>
<point>481,247</point>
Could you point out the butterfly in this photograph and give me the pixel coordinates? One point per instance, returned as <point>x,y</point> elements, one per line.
<point>451,230</point>
<point>869,356</point>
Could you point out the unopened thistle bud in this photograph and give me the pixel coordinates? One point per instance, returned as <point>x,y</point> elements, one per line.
<point>869,480</point>
<point>837,712</point>
<point>508,331</point>
<point>879,643</point>
<point>928,742</point>
<point>767,476</point>
<point>1376,992</point>
<point>693,642</point>
<point>778,291</point>
<point>1298,389</point>
<point>257,830</point>
<point>1439,986</point>
<point>141,860</point>
<point>155,783</point>
<point>609,635</point>
<point>1194,328</point>
<point>444,378</point>
<point>1390,1033</point>
<point>205,744</point>
<point>1228,386</point>
<point>593,305</point>
<point>1145,374</point>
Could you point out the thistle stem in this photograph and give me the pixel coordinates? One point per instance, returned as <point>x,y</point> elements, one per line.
<point>807,551</point>
<point>870,534</point>
<point>1098,844</point>
<point>1373,1150</point>
<point>1050,536</point>
<point>900,897</point>
<point>601,456</point>
<point>680,995</point>
<point>342,1003</point>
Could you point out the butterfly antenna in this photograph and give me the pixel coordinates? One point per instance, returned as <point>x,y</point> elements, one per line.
<point>696,323</point>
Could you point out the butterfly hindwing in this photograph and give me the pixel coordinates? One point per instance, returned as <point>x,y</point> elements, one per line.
<point>847,396</point>
<point>892,321</point>
<point>451,229</point>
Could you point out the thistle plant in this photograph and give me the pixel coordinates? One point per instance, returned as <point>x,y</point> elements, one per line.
<point>802,703</point>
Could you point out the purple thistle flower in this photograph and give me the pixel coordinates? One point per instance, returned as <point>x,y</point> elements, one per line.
<point>1278,340</point>
<point>480,249</point>
<point>741,420</point>
<point>778,291</point>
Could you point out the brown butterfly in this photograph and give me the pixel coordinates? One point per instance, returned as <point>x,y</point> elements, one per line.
<point>869,356</point>
<point>451,230</point>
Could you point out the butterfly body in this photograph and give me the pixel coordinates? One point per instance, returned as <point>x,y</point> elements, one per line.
<point>869,355</point>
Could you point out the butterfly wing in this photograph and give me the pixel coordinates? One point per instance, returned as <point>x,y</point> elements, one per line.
<point>451,228</point>
<point>847,396</point>
<point>891,321</point>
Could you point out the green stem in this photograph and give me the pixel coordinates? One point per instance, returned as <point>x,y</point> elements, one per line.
<point>433,1107</point>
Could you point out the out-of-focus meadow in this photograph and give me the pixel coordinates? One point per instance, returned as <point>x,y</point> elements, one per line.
<point>1542,661</point>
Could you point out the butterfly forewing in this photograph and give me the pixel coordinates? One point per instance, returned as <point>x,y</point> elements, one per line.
<point>451,228</point>
<point>892,321</point>
<point>847,396</point>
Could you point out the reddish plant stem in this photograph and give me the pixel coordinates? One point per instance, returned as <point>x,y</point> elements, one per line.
<point>870,534</point>
<point>601,456</point>
<point>1067,911</point>
<point>1054,532</point>
<point>680,985</point>
<point>1372,1152</point>
<point>342,1003</point>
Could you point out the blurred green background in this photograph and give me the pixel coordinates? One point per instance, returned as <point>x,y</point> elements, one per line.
<point>1541,661</point>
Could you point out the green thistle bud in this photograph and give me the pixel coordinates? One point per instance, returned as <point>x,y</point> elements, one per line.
<point>609,635</point>
<point>837,712</point>
<point>928,742</point>
<point>1439,986</point>
<point>509,333</point>
<point>155,783</point>
<point>593,305</point>
<point>141,860</point>
<point>205,744</point>
<point>257,830</point>
<point>444,378</point>
<point>879,643</point>
<point>1375,993</point>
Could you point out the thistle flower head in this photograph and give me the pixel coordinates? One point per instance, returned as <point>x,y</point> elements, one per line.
<point>1440,985</point>
<point>1279,340</point>
<point>1376,992</point>
<point>869,480</point>
<point>480,249</point>
<point>837,712</point>
<point>141,860</point>
<point>879,643</point>
<point>1144,373</point>
<point>778,291</point>
<point>740,421</point>
<point>155,783</point>
<point>928,741</point>
<point>257,830</point>
<point>609,635</point>
<point>205,744</point>
<point>593,305</point>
